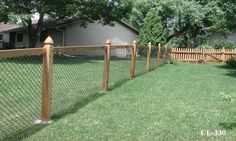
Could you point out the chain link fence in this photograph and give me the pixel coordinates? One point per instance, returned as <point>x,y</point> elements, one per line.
<point>77,78</point>
<point>20,94</point>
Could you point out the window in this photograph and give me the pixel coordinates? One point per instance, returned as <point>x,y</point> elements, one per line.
<point>1,37</point>
<point>19,37</point>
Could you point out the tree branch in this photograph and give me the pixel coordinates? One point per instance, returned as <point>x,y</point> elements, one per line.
<point>178,33</point>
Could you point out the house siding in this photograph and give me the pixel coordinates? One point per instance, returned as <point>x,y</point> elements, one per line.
<point>97,34</point>
<point>24,43</point>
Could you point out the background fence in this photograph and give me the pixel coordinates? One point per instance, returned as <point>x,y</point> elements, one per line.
<point>41,84</point>
<point>209,55</point>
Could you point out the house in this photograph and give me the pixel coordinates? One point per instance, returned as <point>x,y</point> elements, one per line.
<point>70,33</point>
<point>5,37</point>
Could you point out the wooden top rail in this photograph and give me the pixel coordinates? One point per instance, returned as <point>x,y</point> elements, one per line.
<point>21,52</point>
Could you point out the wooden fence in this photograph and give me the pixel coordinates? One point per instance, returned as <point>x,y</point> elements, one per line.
<point>208,55</point>
<point>48,51</point>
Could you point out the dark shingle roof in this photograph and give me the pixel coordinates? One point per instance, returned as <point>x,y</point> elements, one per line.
<point>8,26</point>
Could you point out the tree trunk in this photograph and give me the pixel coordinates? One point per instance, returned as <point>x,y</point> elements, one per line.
<point>34,31</point>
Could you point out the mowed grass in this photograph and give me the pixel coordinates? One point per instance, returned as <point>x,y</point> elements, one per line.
<point>76,81</point>
<point>171,103</point>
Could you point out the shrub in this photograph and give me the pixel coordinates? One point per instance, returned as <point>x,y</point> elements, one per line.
<point>231,62</point>
<point>201,61</point>
<point>174,62</point>
<point>227,45</point>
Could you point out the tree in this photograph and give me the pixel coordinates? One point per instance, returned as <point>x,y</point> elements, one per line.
<point>104,11</point>
<point>186,22</point>
<point>152,29</point>
<point>139,11</point>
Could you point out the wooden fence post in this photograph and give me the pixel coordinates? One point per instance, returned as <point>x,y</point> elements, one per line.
<point>165,58</point>
<point>133,59</point>
<point>47,80</point>
<point>223,55</point>
<point>149,56</point>
<point>107,52</point>
<point>158,55</point>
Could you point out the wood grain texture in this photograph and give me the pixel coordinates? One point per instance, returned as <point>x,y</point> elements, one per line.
<point>149,47</point>
<point>133,59</point>
<point>47,80</point>
<point>106,70</point>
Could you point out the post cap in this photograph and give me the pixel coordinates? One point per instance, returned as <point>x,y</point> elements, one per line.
<point>134,42</point>
<point>108,41</point>
<point>149,43</point>
<point>48,40</point>
<point>159,44</point>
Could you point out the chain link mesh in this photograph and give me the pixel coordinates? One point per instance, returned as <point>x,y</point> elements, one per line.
<point>153,61</point>
<point>77,78</point>
<point>141,60</point>
<point>119,68</point>
<point>20,94</point>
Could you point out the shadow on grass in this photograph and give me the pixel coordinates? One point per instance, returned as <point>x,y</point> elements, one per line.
<point>81,103</point>
<point>228,125</point>
<point>27,132</point>
<point>24,133</point>
<point>121,82</point>
<point>231,70</point>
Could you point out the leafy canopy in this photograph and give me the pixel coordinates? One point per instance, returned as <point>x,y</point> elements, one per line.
<point>184,22</point>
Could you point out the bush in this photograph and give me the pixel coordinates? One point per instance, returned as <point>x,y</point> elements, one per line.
<point>227,45</point>
<point>174,62</point>
<point>231,62</point>
<point>205,46</point>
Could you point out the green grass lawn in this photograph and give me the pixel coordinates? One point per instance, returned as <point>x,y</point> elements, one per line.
<point>171,103</point>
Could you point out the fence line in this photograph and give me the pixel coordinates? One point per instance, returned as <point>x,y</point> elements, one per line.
<point>209,55</point>
<point>49,54</point>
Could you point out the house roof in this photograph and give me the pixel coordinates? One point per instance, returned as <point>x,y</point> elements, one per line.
<point>64,22</point>
<point>53,24</point>
<point>8,27</point>
<point>129,26</point>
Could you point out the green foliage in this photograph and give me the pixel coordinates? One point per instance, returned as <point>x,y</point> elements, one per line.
<point>139,11</point>
<point>152,29</point>
<point>231,62</point>
<point>205,46</point>
<point>226,45</point>
<point>174,62</point>
<point>186,23</point>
